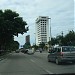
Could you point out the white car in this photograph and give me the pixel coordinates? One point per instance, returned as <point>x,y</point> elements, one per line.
<point>30,51</point>
<point>37,50</point>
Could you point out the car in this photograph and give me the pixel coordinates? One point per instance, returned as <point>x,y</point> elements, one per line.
<point>62,54</point>
<point>37,50</point>
<point>30,51</point>
<point>24,51</point>
<point>17,51</point>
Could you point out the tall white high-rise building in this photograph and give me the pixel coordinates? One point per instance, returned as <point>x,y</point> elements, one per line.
<point>42,29</point>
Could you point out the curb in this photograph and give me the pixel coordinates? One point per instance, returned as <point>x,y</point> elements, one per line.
<point>2,57</point>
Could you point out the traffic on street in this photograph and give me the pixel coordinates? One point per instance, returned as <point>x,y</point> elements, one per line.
<point>37,37</point>
<point>35,64</point>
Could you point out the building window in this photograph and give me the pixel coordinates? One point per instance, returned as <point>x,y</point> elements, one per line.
<point>41,20</point>
<point>43,17</point>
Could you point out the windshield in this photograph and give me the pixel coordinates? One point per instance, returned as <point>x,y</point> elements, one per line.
<point>68,49</point>
<point>32,34</point>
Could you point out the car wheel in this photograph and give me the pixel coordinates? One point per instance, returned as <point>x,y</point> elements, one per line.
<point>48,60</point>
<point>57,62</point>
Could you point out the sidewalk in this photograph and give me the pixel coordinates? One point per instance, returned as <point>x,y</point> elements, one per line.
<point>3,56</point>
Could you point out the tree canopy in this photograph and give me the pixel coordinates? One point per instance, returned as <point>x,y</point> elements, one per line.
<point>27,45</point>
<point>68,39</point>
<point>11,24</point>
<point>42,45</point>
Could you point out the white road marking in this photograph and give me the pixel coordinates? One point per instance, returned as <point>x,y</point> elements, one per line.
<point>49,72</point>
<point>32,60</point>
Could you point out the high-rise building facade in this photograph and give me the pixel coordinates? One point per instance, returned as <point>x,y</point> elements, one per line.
<point>42,29</point>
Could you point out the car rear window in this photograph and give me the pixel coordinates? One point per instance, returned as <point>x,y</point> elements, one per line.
<point>68,49</point>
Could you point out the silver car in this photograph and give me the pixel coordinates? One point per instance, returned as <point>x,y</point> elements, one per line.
<point>62,54</point>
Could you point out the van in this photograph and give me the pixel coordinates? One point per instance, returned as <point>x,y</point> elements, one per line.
<point>62,54</point>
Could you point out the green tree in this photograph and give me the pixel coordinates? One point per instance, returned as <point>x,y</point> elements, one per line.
<point>14,46</point>
<point>11,24</point>
<point>53,41</point>
<point>27,45</point>
<point>59,40</point>
<point>42,45</point>
<point>35,47</point>
<point>70,38</point>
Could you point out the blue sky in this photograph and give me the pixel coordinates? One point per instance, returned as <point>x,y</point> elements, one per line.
<point>61,13</point>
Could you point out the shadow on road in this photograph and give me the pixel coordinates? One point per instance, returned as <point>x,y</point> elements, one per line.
<point>68,63</point>
<point>64,63</point>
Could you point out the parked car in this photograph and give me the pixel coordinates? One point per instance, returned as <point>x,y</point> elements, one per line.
<point>62,54</point>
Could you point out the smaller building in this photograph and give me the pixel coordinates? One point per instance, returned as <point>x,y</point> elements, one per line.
<point>28,39</point>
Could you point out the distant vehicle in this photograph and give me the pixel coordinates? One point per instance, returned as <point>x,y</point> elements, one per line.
<point>62,54</point>
<point>17,51</point>
<point>37,50</point>
<point>40,49</point>
<point>30,51</point>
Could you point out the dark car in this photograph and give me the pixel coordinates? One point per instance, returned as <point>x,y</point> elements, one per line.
<point>24,51</point>
<point>62,54</point>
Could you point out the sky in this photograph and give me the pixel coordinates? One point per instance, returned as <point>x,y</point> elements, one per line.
<point>61,13</point>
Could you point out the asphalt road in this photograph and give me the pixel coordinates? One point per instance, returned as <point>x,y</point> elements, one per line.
<point>36,64</point>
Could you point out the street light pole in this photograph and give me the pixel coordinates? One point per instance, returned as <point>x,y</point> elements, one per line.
<point>50,29</point>
<point>35,38</point>
<point>50,33</point>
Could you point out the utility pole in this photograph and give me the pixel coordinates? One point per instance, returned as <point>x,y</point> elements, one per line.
<point>35,38</point>
<point>50,34</point>
<point>62,38</point>
<point>62,33</point>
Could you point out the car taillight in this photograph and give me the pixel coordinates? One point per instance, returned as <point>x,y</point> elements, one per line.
<point>61,53</point>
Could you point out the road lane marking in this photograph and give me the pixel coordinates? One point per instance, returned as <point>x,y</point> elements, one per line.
<point>49,72</point>
<point>32,60</point>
